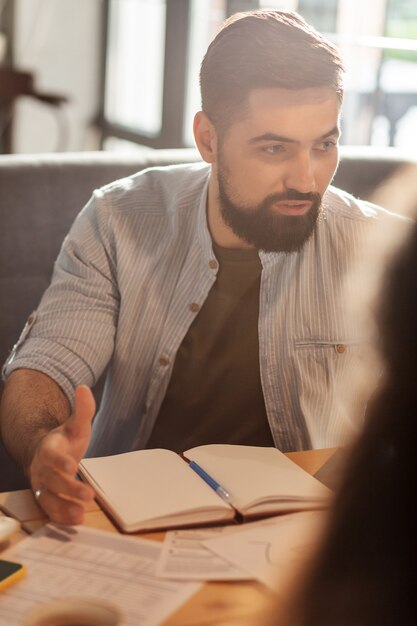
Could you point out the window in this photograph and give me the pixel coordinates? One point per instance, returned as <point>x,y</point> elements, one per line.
<point>135,64</point>
<point>397,87</point>
<point>146,45</point>
<point>153,102</point>
<point>155,47</point>
<point>322,15</point>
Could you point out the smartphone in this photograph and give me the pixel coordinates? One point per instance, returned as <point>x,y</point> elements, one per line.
<point>10,572</point>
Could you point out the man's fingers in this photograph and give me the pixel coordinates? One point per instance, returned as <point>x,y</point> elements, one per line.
<point>60,510</point>
<point>58,492</point>
<point>79,424</point>
<point>64,484</point>
<point>53,469</point>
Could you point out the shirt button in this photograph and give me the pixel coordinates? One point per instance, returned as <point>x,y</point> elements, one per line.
<point>213,264</point>
<point>194,307</point>
<point>340,348</point>
<point>163,360</point>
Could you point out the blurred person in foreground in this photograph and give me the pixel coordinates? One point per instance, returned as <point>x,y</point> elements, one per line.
<point>363,571</point>
<point>209,293</point>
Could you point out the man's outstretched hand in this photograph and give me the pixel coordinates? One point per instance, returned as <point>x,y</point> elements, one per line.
<point>55,462</point>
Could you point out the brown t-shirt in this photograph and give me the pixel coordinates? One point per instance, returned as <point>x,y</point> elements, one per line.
<point>215,393</point>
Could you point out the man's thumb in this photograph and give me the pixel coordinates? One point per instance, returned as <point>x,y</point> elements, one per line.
<point>79,424</point>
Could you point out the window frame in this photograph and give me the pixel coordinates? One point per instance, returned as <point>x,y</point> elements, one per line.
<point>174,85</point>
<point>174,94</point>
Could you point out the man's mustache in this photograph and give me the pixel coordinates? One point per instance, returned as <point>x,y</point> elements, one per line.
<point>293,194</point>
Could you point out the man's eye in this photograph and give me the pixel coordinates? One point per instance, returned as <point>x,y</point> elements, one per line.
<point>325,146</point>
<point>274,149</point>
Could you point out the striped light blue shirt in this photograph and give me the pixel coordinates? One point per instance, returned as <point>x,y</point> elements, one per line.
<point>139,254</point>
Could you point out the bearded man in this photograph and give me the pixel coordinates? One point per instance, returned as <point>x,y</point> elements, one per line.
<point>210,293</point>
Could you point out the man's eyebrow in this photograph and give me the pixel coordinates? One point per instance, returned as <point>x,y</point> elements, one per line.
<point>334,131</point>
<point>283,139</point>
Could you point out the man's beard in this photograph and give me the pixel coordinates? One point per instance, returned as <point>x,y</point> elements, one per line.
<point>262,227</point>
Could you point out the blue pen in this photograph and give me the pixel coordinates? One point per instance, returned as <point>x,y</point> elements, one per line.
<point>221,491</point>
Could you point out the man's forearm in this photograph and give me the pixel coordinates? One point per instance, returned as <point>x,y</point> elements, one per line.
<point>32,404</point>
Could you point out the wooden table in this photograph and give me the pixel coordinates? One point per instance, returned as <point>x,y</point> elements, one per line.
<point>216,604</point>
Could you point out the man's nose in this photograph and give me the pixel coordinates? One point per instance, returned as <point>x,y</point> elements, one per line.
<point>300,174</point>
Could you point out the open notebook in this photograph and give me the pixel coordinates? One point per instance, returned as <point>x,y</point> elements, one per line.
<point>157,489</point>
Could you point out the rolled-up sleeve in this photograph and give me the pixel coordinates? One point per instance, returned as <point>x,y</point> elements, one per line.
<point>70,337</point>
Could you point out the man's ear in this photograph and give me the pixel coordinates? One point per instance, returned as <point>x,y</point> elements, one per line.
<point>205,137</point>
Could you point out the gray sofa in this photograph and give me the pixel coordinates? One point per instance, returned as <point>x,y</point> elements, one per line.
<point>40,195</point>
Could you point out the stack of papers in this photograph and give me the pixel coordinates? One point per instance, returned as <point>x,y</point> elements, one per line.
<point>82,562</point>
<point>266,550</point>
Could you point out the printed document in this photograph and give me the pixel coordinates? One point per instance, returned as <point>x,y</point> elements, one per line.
<point>67,561</point>
<point>261,550</point>
<point>270,550</point>
<point>184,556</point>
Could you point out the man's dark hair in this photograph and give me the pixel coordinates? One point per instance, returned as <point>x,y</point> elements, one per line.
<point>264,49</point>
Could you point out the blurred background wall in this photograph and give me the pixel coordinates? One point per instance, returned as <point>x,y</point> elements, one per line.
<point>58,42</point>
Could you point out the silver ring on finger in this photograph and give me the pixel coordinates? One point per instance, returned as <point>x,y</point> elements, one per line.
<point>39,491</point>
